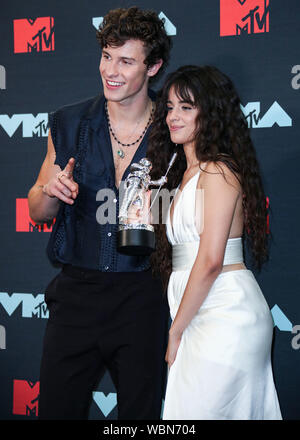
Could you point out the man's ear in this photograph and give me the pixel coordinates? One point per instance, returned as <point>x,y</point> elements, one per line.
<point>152,70</point>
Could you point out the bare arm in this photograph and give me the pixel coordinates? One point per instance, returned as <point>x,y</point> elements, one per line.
<point>52,187</point>
<point>220,200</point>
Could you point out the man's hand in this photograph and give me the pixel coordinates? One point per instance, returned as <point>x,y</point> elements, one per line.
<point>63,186</point>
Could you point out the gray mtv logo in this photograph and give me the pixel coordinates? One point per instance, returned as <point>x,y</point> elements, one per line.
<point>2,78</point>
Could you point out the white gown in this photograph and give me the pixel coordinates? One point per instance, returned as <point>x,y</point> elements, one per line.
<point>222,369</point>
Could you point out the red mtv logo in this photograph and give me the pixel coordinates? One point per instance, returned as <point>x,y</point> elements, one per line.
<point>244,17</point>
<point>268,216</point>
<point>34,35</point>
<point>23,221</point>
<point>25,397</point>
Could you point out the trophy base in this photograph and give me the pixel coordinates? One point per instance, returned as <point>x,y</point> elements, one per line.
<point>135,241</point>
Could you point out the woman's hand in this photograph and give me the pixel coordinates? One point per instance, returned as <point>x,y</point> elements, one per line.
<point>141,215</point>
<point>173,345</point>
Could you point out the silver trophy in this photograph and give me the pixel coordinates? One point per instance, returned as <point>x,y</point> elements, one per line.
<point>136,234</point>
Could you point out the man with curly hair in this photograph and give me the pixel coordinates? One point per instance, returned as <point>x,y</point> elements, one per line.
<point>106,311</point>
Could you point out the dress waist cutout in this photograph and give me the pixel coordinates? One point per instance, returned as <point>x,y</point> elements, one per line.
<point>184,254</point>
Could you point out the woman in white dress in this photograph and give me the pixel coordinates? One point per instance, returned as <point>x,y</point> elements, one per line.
<point>219,348</point>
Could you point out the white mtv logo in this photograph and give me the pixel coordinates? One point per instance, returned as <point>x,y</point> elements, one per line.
<point>275,115</point>
<point>2,78</point>
<point>31,125</point>
<point>32,306</point>
<point>169,26</point>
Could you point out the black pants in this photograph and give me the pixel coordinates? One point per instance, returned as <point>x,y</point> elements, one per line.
<point>96,321</point>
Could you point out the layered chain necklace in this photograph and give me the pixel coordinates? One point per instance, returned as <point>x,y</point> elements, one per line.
<point>120,151</point>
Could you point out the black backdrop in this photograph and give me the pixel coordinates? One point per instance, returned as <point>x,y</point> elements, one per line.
<point>60,66</point>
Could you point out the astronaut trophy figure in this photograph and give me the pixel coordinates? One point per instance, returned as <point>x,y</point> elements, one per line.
<point>136,236</point>
<point>136,186</point>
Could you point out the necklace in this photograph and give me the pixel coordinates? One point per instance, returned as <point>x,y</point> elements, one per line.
<point>120,151</point>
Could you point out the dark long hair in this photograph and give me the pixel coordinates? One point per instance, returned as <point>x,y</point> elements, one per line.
<point>222,135</point>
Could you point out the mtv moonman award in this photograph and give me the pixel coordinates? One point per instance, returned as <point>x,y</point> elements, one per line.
<point>136,234</point>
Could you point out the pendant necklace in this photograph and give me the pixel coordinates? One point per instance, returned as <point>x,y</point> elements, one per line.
<point>120,151</point>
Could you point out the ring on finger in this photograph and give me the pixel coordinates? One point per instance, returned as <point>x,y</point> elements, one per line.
<point>61,175</point>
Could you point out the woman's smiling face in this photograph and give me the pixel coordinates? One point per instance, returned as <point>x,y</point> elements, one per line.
<point>181,119</point>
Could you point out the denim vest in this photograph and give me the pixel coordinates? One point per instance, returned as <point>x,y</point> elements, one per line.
<point>81,131</point>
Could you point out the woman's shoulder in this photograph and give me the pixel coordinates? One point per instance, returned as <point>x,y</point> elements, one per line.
<point>222,172</point>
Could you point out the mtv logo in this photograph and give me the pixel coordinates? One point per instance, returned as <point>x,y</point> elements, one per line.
<point>25,397</point>
<point>32,126</point>
<point>275,115</point>
<point>169,26</point>
<point>2,78</point>
<point>280,319</point>
<point>97,21</point>
<point>105,403</point>
<point>23,221</point>
<point>32,306</point>
<point>239,17</point>
<point>268,215</point>
<point>34,35</point>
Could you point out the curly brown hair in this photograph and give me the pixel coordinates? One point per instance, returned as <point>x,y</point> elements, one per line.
<point>222,135</point>
<point>121,24</point>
